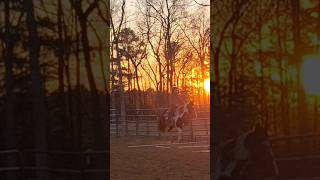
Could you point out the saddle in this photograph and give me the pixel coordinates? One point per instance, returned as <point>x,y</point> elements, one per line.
<point>172,111</point>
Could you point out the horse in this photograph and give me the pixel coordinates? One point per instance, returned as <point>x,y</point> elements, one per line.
<point>247,157</point>
<point>178,118</point>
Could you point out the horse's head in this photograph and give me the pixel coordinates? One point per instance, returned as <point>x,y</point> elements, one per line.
<point>190,110</point>
<point>257,136</point>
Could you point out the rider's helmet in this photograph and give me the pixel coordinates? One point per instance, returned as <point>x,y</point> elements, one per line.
<point>175,100</point>
<point>175,90</point>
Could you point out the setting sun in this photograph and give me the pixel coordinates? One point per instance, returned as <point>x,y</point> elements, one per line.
<point>311,74</point>
<point>207,85</point>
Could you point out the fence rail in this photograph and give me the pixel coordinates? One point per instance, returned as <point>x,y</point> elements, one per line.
<point>144,122</point>
<point>296,145</point>
<point>75,165</point>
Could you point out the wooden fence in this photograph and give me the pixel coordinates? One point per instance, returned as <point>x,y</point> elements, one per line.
<point>296,145</point>
<point>144,122</point>
<point>61,164</point>
<point>295,155</point>
<point>298,156</point>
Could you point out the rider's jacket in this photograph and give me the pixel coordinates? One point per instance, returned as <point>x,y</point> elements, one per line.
<point>176,100</point>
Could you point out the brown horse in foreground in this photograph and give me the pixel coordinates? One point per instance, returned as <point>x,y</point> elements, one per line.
<point>248,157</point>
<point>178,118</point>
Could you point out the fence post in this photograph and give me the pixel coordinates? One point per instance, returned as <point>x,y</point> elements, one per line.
<point>158,128</point>
<point>82,165</point>
<point>127,121</point>
<point>192,138</point>
<point>21,163</point>
<point>148,119</point>
<point>117,125</point>
<point>137,125</point>
<point>206,126</point>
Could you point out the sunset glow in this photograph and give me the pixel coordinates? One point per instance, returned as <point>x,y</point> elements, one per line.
<point>311,74</point>
<point>207,85</point>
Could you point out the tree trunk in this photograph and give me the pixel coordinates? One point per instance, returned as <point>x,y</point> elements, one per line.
<point>69,103</point>
<point>108,98</point>
<point>102,64</point>
<point>216,74</point>
<point>86,53</point>
<point>263,109</point>
<point>120,75</point>
<point>286,88</point>
<point>160,76</point>
<point>122,93</point>
<point>38,105</point>
<point>77,120</point>
<point>61,66</point>
<point>98,123</point>
<point>302,110</point>
<point>138,86</point>
<point>10,131</point>
<point>284,120</point>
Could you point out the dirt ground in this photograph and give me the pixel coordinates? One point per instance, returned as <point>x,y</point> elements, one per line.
<point>169,162</point>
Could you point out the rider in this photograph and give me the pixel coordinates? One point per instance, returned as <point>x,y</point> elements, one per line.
<point>175,101</point>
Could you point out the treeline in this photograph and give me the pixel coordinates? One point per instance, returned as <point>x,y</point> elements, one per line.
<point>258,50</point>
<point>166,46</point>
<point>53,75</point>
<point>149,99</point>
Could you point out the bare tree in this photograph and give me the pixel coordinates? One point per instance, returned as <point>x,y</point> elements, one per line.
<point>82,15</point>
<point>116,31</point>
<point>61,64</point>
<point>10,134</point>
<point>198,38</point>
<point>162,19</point>
<point>236,14</point>
<point>201,4</point>
<point>134,50</point>
<point>302,110</point>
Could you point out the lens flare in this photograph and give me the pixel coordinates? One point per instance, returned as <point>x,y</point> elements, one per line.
<point>310,75</point>
<point>207,85</point>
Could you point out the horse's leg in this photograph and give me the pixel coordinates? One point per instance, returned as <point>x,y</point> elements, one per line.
<point>166,135</point>
<point>179,134</point>
<point>163,136</point>
<point>170,133</point>
<point>170,137</point>
<point>170,128</point>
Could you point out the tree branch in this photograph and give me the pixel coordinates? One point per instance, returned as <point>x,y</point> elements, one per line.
<point>201,4</point>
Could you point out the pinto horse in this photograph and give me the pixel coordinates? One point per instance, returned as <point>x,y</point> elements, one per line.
<point>177,118</point>
<point>248,157</point>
